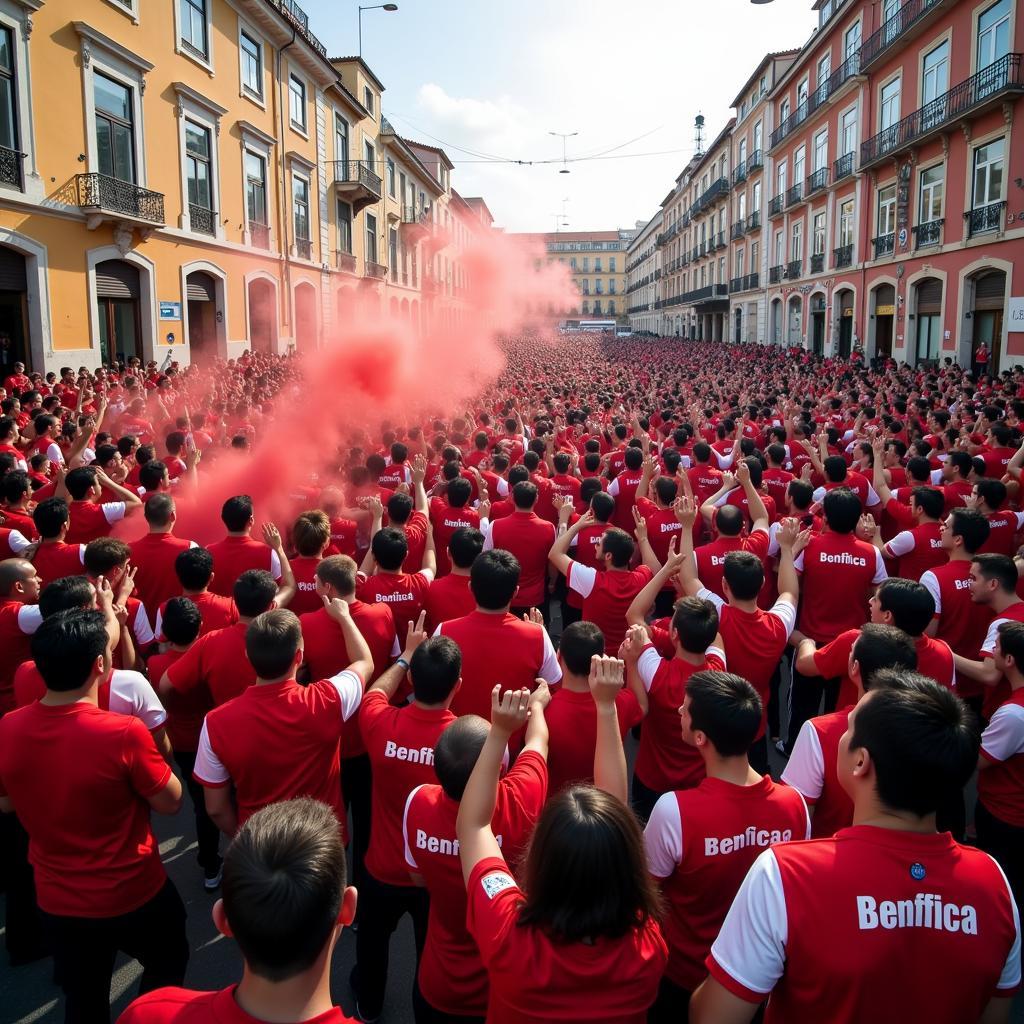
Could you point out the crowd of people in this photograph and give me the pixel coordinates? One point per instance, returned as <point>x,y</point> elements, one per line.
<point>659,681</point>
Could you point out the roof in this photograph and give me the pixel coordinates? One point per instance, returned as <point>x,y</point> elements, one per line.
<point>569,236</point>
<point>478,204</point>
<point>362,63</point>
<point>768,58</point>
<point>433,149</point>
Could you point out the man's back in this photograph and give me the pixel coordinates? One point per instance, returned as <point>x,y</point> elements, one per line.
<point>218,660</point>
<point>234,555</point>
<point>812,771</point>
<point>182,1006</point>
<point>529,538</point>
<point>153,557</point>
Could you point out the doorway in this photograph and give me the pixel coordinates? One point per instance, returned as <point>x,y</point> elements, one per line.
<point>928,310</point>
<point>793,337</point>
<point>201,295</point>
<point>885,312</point>
<point>117,300</point>
<point>14,340</point>
<point>989,298</point>
<point>305,318</point>
<point>739,325</point>
<point>262,316</point>
<point>818,325</point>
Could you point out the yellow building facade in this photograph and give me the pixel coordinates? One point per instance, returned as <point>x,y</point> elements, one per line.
<point>198,177</point>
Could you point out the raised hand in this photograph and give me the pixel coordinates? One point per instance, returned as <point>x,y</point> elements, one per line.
<point>607,675</point>
<point>415,635</point>
<point>509,710</point>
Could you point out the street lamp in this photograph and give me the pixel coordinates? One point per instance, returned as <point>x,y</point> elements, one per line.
<point>563,136</point>
<point>372,7</point>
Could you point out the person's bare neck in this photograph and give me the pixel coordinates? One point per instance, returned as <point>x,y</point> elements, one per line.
<point>303,997</point>
<point>457,570</point>
<point>689,657</point>
<point>735,770</point>
<point>574,683</point>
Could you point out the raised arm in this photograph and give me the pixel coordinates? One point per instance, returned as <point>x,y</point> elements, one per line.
<point>707,510</point>
<point>419,473</point>
<point>792,540</point>
<point>389,681</point>
<point>607,675</point>
<point>132,502</point>
<point>647,555</point>
<point>287,588</point>
<point>758,512</point>
<point>558,556</point>
<point>878,480</point>
<point>356,648</point>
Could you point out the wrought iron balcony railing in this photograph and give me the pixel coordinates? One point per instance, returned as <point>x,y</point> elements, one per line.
<point>775,206</point>
<point>794,269</point>
<point>817,181</point>
<point>754,221</point>
<point>884,245</point>
<point>738,229</point>
<point>928,233</point>
<point>775,274</point>
<point>259,234</point>
<point>298,17</point>
<point>909,14</point>
<point>843,256</point>
<point>202,220</point>
<point>740,173</point>
<point>842,167</point>
<point>794,194</point>
<point>717,188</point>
<point>790,124</point>
<point>743,284</point>
<point>755,161</point>
<point>10,167</point>
<point>111,195</point>
<point>817,262</point>
<point>984,219</point>
<point>357,172</point>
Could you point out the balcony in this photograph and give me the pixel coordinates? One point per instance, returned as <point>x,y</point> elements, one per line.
<point>885,245</point>
<point>10,167</point>
<point>375,270</point>
<point>345,261</point>
<point>416,224</point>
<point>356,183</point>
<point>703,249</point>
<point>738,229</point>
<point>754,221</point>
<point>794,194</point>
<point>304,248</point>
<point>790,124</point>
<point>929,233</point>
<point>984,219</point>
<point>201,220</point>
<point>105,198</point>
<point>743,284</point>
<point>717,189</point>
<point>755,161</point>
<point>708,294</point>
<point>775,274</point>
<point>899,29</point>
<point>974,95</point>
<point>817,263</point>
<point>794,269</point>
<point>298,17</point>
<point>849,69</point>
<point>843,256</point>
<point>259,235</point>
<point>817,181</point>
<point>718,241</point>
<point>740,173</point>
<point>775,206</point>
<point>842,168</point>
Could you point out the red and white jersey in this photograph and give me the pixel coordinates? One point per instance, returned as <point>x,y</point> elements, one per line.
<point>13,543</point>
<point>529,538</point>
<point>1002,532</point>
<point>918,550</point>
<point>812,771</point>
<point>856,483</point>
<point>403,592</point>
<point>662,526</point>
<point>234,555</point>
<point>1001,784</point>
<point>88,520</point>
<point>710,558</point>
<point>183,1006</point>
<point>448,598</point>
<point>607,597</point>
<point>995,695</point>
<point>17,624</point>
<point>838,929</point>
<point>700,844</point>
<point>963,623</point>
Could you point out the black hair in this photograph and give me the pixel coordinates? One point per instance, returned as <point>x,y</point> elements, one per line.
<point>910,603</point>
<point>619,545</point>
<point>696,623</point>
<point>494,579</point>
<point>727,708</point>
<point>580,642</point>
<point>254,592</point>
<point>997,567</point>
<point>435,669</point>
<point>194,567</point>
<point>272,641</point>
<point>49,517</point>
<point>882,646</point>
<point>236,512</point>
<point>744,573</point>
<point>65,594</point>
<point>181,621</point>
<point>66,645</point>
<point>842,510</point>
<point>465,546</point>
<point>390,548</point>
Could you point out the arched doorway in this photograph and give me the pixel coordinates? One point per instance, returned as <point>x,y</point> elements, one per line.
<point>118,303</point>
<point>14,341</point>
<point>775,322</point>
<point>305,318</point>
<point>987,315</point>
<point>793,321</point>
<point>201,296</point>
<point>928,325</point>
<point>405,309</point>
<point>844,309</point>
<point>262,298</point>
<point>818,324</point>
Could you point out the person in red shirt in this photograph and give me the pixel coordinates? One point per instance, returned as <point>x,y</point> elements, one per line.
<point>496,646</point>
<point>155,554</point>
<point>20,617</point>
<point>238,552</point>
<point>578,940</point>
<point>311,536</point>
<point>811,768</point>
<point>918,547</point>
<point>286,945</point>
<point>447,515</point>
<point>776,477</point>
<point>83,782</point>
<point>278,739</point>
<point>54,558</point>
<point>624,487</point>
<point>890,891</point>
<point>1004,523</point>
<point>194,570</point>
<point>15,513</point>
<point>954,477</point>
<point>705,477</point>
<point>89,518</point>
<point>692,837</point>
<point>529,538</point>
<point>451,597</point>
<point>400,743</point>
<point>999,815</point>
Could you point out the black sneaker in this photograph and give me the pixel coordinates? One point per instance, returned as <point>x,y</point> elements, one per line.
<point>212,878</point>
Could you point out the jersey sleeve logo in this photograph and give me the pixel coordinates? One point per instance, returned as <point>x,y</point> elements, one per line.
<point>496,882</point>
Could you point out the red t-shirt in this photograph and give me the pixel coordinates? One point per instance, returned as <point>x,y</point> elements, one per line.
<point>448,598</point>
<point>218,661</point>
<point>185,711</point>
<point>234,555</point>
<point>154,556</point>
<point>306,598</point>
<point>89,520</point>
<point>416,538</point>
<point>17,624</point>
<point>400,742</point>
<point>1001,784</point>
<point>80,779</point>
<point>403,592</point>
<point>57,560</point>
<point>662,526</point>
<point>607,597</point>
<point>710,558</point>
<point>451,976</point>
<point>962,622</point>
<point>534,978</point>
<point>918,550</point>
<point>215,612</point>
<point>584,551</point>
<point>529,538</point>
<point>1002,532</point>
<point>812,770</point>
<point>182,1006</point>
<point>343,537</point>
<point>446,520</point>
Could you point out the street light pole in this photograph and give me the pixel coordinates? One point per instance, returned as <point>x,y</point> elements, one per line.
<point>372,7</point>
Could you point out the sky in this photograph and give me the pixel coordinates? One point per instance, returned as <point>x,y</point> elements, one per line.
<point>484,79</point>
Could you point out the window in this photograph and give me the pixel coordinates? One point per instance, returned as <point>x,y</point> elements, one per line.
<point>988,174</point>
<point>368,99</point>
<point>252,65</point>
<point>781,178</point>
<point>611,286</point>
<point>738,269</point>
<point>801,93</point>
<point>758,135</point>
<point>821,150</point>
<point>586,307</point>
<point>297,102</point>
<point>994,34</point>
<point>851,41</point>
<point>193,27</point>
<point>846,225</point>
<point>779,247</point>
<point>300,206</point>
<point>370,155</point>
<point>934,83</point>
<point>763,86</point>
<point>799,165</point>
<point>341,141</point>
<point>796,247</point>
<point>819,233</point>
<point>848,131</point>
<point>755,252</point>
<point>755,199</point>
<point>741,207</point>
<point>887,210</point>
<point>784,110</point>
<point>930,207</point>
<point>597,266</point>
<point>8,96</point>
<point>598,286</point>
<point>586,286</point>
<point>743,151</point>
<point>197,166</point>
<point>611,307</point>
<point>611,264</point>
<point>256,188</point>
<point>824,70</point>
<point>391,178</point>
<point>393,253</point>
<point>115,130</point>
<point>371,238</point>
<point>890,104</point>
<point>586,264</point>
<point>344,227</point>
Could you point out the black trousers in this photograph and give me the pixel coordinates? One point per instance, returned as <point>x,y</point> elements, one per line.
<point>356,783</point>
<point>24,934</point>
<point>207,833</point>
<point>381,908</point>
<point>672,1005</point>
<point>774,704</point>
<point>84,950</point>
<point>644,800</point>
<point>1005,843</point>
<point>805,699</point>
<point>427,1014</point>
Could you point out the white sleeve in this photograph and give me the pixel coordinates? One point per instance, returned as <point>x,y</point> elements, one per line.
<point>613,488</point>
<point>930,583</point>
<point>989,646</point>
<point>751,946</point>
<point>54,454</point>
<point>113,511</point>
<point>549,669</point>
<point>1020,519</point>
<point>18,541</point>
<point>132,694</point>
<point>1010,978</point>
<point>30,618</point>
<point>647,665</point>
<point>880,573</point>
<point>723,499</point>
<point>488,536</point>
<point>724,461</point>
<point>935,476</point>
<point>208,768</point>
<point>141,628</point>
<point>663,837</point>
<point>805,770</point>
<point>409,859</point>
<point>773,539</point>
<point>502,487</point>
<point>275,564</point>
<point>819,494</point>
<point>427,574</point>
<point>1004,737</point>
<point>902,544</point>
<point>582,578</point>
<point>159,625</point>
<point>873,498</point>
<point>396,647</point>
<point>786,611</point>
<point>798,562</point>
<point>350,690</point>
<point>706,595</point>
